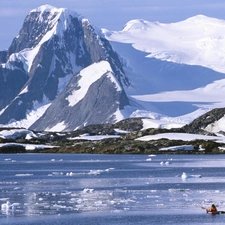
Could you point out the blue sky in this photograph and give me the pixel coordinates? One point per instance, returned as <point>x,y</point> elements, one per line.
<point>110,14</point>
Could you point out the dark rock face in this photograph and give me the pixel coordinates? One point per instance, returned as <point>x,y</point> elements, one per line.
<point>130,124</point>
<point>203,121</point>
<point>11,82</point>
<point>3,56</point>
<point>62,54</point>
<point>100,49</point>
<point>12,149</point>
<point>34,28</point>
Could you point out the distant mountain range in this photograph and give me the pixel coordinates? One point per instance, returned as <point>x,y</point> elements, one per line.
<point>61,73</point>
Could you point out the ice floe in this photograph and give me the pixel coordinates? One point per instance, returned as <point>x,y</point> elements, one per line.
<point>185,176</point>
<point>7,208</point>
<point>23,174</point>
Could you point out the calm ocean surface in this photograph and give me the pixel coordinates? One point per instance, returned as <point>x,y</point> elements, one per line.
<point>110,189</point>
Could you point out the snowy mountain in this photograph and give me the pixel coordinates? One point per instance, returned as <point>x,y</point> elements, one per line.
<point>176,70</point>
<point>62,73</point>
<point>53,46</point>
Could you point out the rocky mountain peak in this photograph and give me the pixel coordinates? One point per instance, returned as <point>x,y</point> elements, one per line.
<point>53,45</point>
<point>38,23</point>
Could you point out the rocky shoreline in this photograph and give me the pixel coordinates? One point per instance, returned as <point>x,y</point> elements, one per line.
<point>125,142</point>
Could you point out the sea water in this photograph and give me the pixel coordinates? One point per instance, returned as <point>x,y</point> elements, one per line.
<point>110,189</point>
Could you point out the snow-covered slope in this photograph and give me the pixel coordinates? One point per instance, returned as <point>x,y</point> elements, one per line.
<point>199,40</point>
<point>176,70</point>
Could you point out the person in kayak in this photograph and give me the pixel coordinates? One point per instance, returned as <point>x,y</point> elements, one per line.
<point>212,208</point>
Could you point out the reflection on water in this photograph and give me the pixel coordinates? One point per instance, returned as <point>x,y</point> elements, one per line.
<point>37,186</point>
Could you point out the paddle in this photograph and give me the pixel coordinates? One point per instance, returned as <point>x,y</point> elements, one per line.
<point>205,209</point>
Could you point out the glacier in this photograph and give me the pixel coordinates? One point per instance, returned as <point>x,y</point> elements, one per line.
<point>176,70</point>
